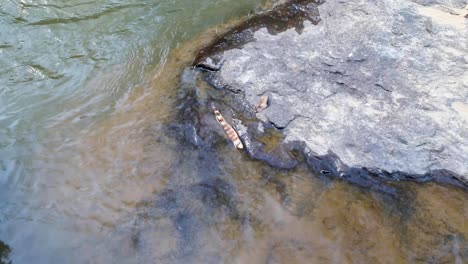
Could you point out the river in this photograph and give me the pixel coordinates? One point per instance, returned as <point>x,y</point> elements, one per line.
<point>93,168</point>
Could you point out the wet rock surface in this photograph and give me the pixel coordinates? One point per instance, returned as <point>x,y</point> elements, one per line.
<point>376,89</point>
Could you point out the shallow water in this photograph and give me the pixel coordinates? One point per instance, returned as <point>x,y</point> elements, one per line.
<point>97,163</point>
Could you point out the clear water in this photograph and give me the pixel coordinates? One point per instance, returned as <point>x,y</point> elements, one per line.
<point>65,66</point>
<point>88,173</point>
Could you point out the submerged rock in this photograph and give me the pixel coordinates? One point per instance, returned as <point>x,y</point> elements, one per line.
<point>382,85</point>
<point>5,251</point>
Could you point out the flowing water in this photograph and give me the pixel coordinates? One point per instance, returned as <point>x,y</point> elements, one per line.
<point>96,166</point>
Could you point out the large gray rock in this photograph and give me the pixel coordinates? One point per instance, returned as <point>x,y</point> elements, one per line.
<point>382,84</point>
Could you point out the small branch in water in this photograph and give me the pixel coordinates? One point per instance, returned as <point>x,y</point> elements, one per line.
<point>228,129</point>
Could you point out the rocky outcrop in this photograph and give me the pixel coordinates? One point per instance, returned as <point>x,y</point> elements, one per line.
<point>376,86</point>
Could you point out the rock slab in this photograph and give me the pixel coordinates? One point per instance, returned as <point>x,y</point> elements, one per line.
<point>381,84</point>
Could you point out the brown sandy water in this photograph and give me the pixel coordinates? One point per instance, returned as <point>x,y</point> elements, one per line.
<point>209,203</point>
<point>133,188</point>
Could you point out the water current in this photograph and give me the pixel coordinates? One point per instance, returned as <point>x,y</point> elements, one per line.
<point>93,168</point>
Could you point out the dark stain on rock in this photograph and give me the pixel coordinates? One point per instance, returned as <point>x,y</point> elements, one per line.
<point>374,178</point>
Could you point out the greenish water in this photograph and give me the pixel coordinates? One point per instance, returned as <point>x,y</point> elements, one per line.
<point>76,59</point>
<point>93,168</point>
<point>65,66</point>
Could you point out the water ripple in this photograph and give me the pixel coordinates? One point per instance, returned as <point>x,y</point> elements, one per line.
<point>106,11</point>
